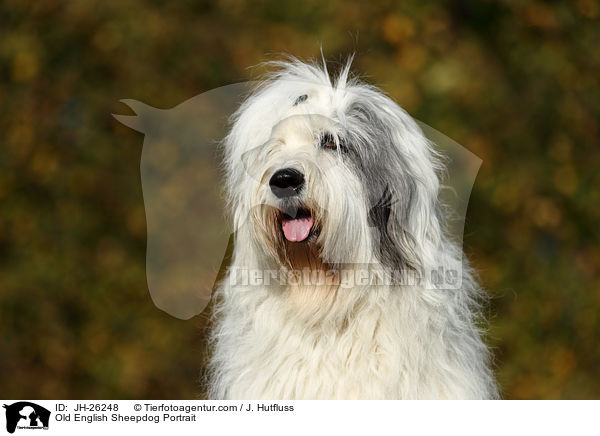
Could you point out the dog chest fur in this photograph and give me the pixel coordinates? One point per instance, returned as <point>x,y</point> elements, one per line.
<point>394,344</point>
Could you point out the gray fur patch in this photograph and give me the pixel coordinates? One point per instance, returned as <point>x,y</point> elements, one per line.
<point>374,154</point>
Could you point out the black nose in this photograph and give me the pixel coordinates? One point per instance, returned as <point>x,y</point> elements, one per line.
<point>286,182</point>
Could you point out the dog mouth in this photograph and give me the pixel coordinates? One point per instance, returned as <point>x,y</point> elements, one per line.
<point>297,224</point>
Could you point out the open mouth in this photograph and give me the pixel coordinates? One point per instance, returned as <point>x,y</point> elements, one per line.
<point>297,228</point>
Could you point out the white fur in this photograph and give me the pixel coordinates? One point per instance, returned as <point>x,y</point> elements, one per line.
<point>302,341</point>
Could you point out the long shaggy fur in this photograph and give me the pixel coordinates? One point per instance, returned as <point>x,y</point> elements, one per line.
<point>374,199</point>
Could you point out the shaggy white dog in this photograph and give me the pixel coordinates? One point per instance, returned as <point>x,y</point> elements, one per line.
<point>334,194</point>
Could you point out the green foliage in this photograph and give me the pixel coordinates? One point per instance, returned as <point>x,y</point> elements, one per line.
<point>514,82</point>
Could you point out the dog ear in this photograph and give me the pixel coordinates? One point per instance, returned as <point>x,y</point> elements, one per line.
<point>415,226</point>
<point>426,218</point>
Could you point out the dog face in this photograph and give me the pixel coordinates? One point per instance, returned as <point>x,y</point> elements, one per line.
<point>308,199</point>
<point>330,171</point>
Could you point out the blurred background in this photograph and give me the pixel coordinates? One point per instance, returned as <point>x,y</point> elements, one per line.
<point>515,82</point>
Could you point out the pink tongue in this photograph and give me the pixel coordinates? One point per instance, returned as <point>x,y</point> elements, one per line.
<point>296,230</point>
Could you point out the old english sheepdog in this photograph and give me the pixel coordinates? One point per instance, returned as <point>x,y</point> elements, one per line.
<point>333,191</point>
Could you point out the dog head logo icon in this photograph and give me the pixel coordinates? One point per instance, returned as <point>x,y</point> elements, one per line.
<point>26,415</point>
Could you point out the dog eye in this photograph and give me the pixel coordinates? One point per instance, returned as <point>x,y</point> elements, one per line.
<point>327,141</point>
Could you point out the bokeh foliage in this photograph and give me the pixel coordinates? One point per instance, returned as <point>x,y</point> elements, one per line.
<point>516,82</point>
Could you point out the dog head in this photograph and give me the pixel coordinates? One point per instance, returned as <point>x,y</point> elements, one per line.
<point>331,171</point>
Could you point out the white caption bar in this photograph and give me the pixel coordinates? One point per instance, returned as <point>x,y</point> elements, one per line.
<point>23,417</point>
